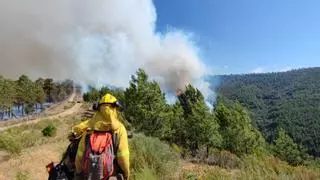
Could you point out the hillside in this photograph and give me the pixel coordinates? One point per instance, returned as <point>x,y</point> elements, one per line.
<point>288,100</point>
<point>185,140</point>
<point>33,151</point>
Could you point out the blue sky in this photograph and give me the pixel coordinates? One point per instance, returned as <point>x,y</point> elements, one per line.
<point>243,36</point>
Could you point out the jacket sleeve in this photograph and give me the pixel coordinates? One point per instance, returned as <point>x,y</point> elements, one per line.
<point>123,152</point>
<point>80,151</point>
<point>79,129</point>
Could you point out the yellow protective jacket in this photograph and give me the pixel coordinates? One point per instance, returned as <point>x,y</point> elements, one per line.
<point>105,121</point>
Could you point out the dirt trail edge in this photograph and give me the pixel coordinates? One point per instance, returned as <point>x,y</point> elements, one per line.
<point>72,110</point>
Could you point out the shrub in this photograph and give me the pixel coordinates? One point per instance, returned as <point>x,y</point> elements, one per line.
<point>50,130</point>
<point>14,143</point>
<point>190,175</point>
<point>149,153</point>
<point>10,143</point>
<point>224,159</point>
<point>286,149</point>
<point>145,173</point>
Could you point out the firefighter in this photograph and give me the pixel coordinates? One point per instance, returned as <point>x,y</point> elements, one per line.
<point>105,119</point>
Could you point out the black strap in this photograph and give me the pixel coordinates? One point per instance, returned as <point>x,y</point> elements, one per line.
<point>115,142</point>
<point>65,154</point>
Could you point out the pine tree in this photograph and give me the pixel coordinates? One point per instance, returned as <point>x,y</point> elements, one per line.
<point>286,149</point>
<point>239,135</point>
<point>198,128</point>
<point>7,94</point>
<point>25,92</point>
<point>145,105</point>
<point>48,87</point>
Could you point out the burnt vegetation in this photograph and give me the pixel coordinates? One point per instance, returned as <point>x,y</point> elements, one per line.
<point>23,96</point>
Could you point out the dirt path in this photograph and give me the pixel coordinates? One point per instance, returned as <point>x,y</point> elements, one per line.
<point>53,113</point>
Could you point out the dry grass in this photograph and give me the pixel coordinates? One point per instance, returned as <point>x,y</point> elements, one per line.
<point>33,161</point>
<point>192,171</point>
<point>254,168</point>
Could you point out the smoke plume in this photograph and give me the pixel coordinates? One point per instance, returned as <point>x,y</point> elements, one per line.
<point>94,42</point>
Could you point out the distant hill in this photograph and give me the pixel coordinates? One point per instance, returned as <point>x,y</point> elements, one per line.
<point>290,100</point>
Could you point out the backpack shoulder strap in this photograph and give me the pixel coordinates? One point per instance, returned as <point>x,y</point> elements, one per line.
<point>115,142</point>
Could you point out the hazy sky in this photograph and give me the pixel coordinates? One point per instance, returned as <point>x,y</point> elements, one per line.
<point>242,36</point>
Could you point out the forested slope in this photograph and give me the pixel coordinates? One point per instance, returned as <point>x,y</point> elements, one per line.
<point>288,100</point>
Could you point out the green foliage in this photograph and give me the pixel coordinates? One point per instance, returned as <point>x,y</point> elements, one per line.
<point>288,100</point>
<point>272,168</point>
<point>93,94</point>
<point>286,149</point>
<point>48,87</point>
<point>7,93</point>
<point>50,130</point>
<point>56,91</point>
<point>194,126</point>
<point>239,135</point>
<point>145,173</point>
<point>151,155</point>
<point>145,106</point>
<point>14,142</point>
<point>28,108</point>
<point>190,176</point>
<point>9,143</point>
<point>22,175</point>
<point>26,93</point>
<point>40,95</point>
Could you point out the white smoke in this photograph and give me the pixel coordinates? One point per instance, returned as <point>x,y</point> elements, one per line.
<point>94,42</point>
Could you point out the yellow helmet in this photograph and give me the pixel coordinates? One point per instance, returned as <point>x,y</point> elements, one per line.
<point>108,99</point>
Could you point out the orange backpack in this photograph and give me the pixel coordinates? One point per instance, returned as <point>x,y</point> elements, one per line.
<point>98,162</point>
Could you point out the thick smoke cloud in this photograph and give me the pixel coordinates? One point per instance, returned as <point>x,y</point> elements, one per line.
<point>94,42</point>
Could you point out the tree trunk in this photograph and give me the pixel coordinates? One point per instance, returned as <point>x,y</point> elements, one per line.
<point>19,108</point>
<point>22,110</point>
<point>194,149</point>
